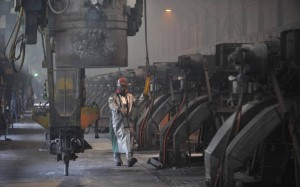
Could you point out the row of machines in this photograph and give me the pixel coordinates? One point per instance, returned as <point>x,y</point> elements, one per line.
<point>258,145</point>
<point>239,108</point>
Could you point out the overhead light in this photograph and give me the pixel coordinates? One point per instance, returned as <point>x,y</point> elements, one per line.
<point>168,10</point>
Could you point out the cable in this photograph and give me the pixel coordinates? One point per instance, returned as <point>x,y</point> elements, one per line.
<point>12,52</point>
<point>169,128</point>
<point>22,53</point>
<point>236,120</point>
<point>235,126</point>
<point>148,69</point>
<point>5,56</point>
<point>148,79</point>
<point>58,12</point>
<point>20,39</point>
<point>141,137</point>
<point>146,41</point>
<point>149,112</point>
<point>186,117</point>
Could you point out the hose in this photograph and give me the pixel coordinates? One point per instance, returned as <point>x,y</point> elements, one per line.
<point>146,40</point>
<point>169,129</point>
<point>235,126</point>
<point>15,41</point>
<point>144,121</point>
<point>237,120</point>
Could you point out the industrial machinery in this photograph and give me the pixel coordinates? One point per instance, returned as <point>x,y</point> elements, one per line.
<point>214,81</point>
<point>258,144</point>
<point>193,96</point>
<point>194,113</point>
<point>162,125</point>
<point>76,35</point>
<point>154,116</point>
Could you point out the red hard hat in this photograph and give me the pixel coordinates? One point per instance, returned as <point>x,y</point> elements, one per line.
<point>122,82</point>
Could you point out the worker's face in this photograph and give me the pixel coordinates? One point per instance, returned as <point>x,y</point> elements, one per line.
<point>123,90</point>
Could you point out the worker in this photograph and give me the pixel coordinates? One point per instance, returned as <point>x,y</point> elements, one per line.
<point>121,124</point>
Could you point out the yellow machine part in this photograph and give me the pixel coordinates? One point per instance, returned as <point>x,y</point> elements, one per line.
<point>147,85</point>
<point>64,84</point>
<point>164,122</point>
<point>89,115</point>
<point>42,118</point>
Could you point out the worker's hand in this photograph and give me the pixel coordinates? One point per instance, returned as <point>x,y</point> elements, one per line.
<point>123,111</point>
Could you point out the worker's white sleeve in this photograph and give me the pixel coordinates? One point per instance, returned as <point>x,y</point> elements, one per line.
<point>112,104</point>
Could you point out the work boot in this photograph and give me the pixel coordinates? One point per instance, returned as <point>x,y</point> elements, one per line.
<point>130,159</point>
<point>117,159</point>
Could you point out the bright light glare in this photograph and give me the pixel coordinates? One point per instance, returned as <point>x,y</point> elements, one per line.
<point>168,10</point>
<point>36,74</point>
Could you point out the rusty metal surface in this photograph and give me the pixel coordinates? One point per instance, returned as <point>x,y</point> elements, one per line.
<point>88,35</point>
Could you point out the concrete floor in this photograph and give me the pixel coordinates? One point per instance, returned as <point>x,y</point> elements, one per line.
<point>23,163</point>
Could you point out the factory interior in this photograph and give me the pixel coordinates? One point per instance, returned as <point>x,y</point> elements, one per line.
<point>110,93</point>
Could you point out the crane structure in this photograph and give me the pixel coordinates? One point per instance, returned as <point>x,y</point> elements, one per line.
<point>77,34</point>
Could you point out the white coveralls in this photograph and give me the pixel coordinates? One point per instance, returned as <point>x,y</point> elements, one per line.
<point>121,125</point>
